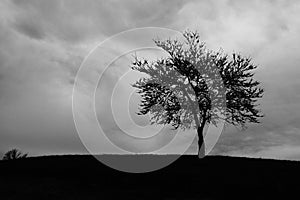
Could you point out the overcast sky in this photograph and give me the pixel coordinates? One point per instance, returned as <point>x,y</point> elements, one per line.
<point>43,43</point>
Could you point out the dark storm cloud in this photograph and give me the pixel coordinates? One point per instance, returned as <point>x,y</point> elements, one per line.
<point>30,29</point>
<point>76,21</point>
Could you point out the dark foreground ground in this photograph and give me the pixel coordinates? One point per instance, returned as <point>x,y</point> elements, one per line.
<point>214,177</point>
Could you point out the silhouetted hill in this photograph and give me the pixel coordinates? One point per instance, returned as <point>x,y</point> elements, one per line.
<point>84,177</point>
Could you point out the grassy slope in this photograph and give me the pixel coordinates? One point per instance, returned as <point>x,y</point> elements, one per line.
<point>83,177</point>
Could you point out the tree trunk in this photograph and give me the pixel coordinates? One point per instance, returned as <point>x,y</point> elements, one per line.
<point>201,145</point>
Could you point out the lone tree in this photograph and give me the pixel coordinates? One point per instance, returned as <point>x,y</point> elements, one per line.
<point>14,154</point>
<point>193,87</point>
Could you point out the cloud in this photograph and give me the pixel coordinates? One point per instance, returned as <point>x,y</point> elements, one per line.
<point>35,93</point>
<point>30,29</point>
<point>44,42</point>
<point>75,21</point>
<point>239,25</point>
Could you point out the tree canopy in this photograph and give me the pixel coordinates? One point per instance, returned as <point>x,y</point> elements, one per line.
<point>194,86</point>
<point>14,154</point>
